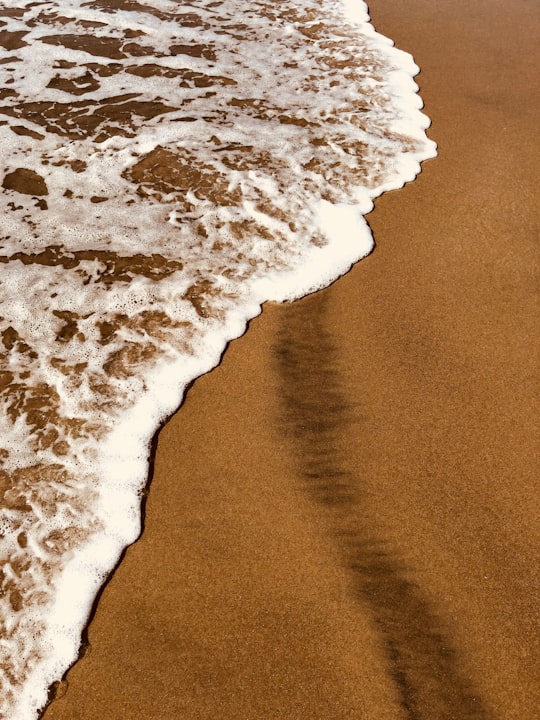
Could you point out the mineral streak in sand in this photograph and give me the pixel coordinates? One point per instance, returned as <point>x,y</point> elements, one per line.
<point>166,168</point>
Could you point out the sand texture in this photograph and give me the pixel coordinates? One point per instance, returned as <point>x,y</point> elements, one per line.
<point>343,518</point>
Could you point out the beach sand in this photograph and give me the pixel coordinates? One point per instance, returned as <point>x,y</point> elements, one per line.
<point>342,520</point>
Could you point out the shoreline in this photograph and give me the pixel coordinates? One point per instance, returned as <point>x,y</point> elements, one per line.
<point>409,383</point>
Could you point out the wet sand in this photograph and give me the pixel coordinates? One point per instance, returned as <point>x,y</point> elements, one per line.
<point>342,520</point>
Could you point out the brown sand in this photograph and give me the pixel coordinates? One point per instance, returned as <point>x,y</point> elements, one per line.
<point>343,521</point>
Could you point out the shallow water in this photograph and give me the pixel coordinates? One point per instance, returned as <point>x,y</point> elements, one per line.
<point>167,167</point>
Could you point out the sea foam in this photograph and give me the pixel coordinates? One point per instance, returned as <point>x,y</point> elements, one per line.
<point>166,168</point>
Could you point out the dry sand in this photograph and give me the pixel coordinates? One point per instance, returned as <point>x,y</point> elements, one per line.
<point>342,521</point>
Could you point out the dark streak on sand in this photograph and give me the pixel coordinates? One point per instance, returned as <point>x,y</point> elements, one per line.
<point>421,660</point>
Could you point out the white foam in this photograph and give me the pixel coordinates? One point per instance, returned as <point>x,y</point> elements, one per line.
<point>285,138</point>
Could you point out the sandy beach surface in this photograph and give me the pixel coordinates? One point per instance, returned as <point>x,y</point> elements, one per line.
<point>343,520</point>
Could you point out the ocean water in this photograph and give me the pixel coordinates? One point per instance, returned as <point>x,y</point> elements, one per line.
<point>166,168</point>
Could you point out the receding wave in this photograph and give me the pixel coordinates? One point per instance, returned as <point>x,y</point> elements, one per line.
<point>166,168</point>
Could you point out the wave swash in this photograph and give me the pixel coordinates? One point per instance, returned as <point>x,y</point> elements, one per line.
<point>166,168</point>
